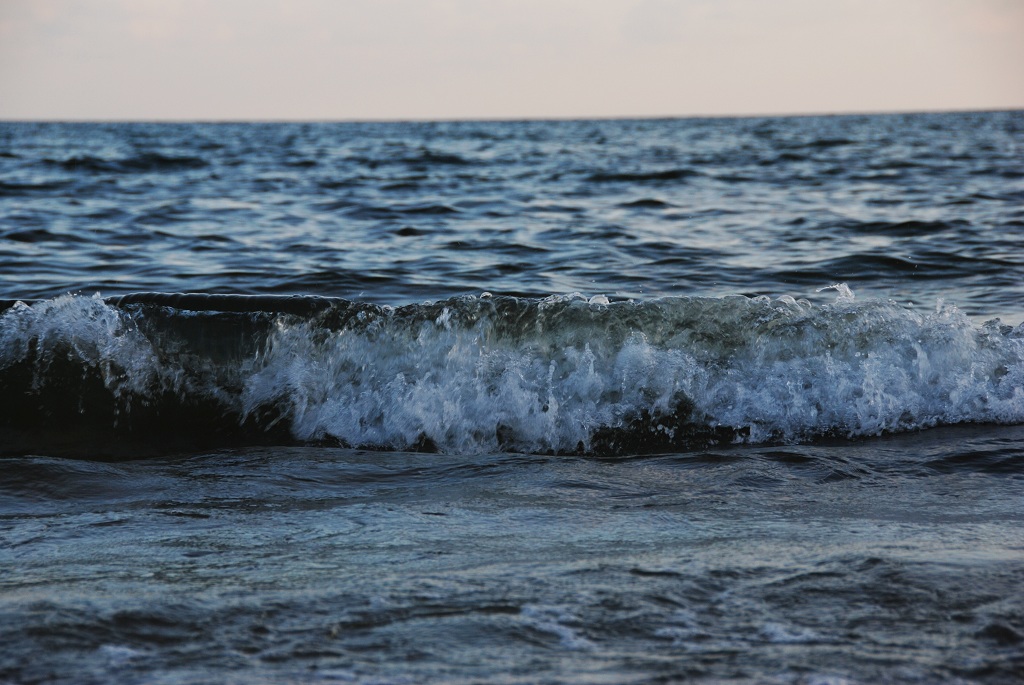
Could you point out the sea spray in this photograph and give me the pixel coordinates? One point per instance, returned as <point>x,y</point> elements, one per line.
<point>565,374</point>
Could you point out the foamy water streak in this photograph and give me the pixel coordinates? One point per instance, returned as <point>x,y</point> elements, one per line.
<point>564,374</point>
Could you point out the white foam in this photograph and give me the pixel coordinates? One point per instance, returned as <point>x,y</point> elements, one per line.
<point>486,374</point>
<point>782,369</point>
<point>462,388</point>
<point>88,330</point>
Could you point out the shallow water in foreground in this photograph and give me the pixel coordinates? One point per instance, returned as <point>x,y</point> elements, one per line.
<point>895,559</point>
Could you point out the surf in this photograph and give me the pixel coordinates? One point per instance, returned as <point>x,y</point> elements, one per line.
<point>564,374</point>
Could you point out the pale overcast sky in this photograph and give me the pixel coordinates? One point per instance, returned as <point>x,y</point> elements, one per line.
<point>401,59</point>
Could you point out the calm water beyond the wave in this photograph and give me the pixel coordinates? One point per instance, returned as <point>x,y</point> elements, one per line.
<point>653,401</point>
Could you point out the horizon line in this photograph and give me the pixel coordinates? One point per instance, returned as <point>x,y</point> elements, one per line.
<point>501,119</point>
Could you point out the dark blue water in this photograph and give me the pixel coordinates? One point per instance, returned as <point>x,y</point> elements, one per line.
<point>582,401</point>
<point>910,207</point>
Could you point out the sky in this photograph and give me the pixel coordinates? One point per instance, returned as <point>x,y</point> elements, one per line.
<point>505,59</point>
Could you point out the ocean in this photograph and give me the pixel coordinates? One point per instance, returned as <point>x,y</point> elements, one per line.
<point>731,400</point>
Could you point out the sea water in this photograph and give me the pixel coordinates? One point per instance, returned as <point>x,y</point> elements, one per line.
<point>693,400</point>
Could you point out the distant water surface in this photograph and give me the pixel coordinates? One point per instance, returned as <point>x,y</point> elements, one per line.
<point>909,207</point>
<point>639,401</point>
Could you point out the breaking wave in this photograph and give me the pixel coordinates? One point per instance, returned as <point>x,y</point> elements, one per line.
<point>153,373</point>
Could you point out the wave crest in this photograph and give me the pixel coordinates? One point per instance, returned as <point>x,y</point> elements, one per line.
<point>471,374</point>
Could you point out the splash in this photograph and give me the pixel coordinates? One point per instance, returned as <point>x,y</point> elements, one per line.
<point>566,374</point>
